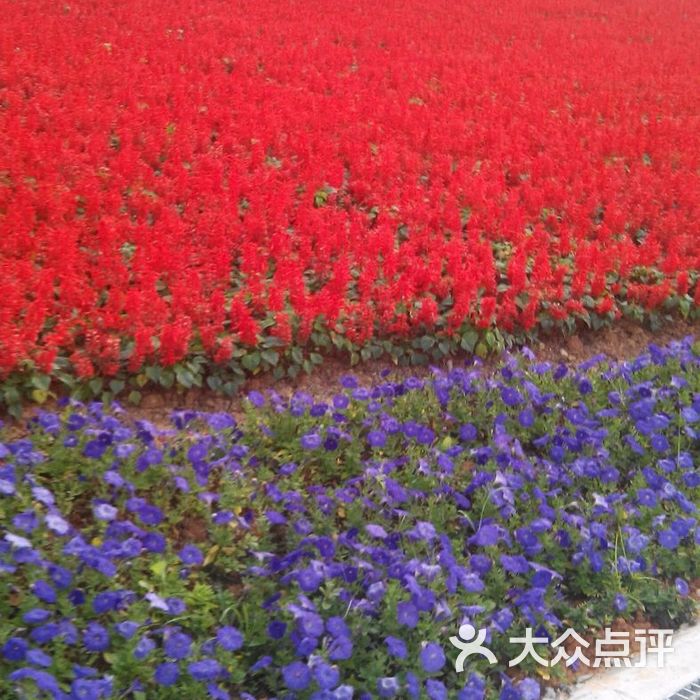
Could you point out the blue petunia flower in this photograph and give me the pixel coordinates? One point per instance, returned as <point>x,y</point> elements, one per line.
<point>388,687</point>
<point>191,555</point>
<point>432,658</point>
<point>407,614</point>
<point>229,638</point>
<point>177,645</point>
<point>166,674</point>
<point>296,676</point>
<point>96,637</point>
<point>396,647</point>
<point>205,670</point>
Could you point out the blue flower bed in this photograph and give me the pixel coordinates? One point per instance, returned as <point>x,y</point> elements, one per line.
<point>315,550</point>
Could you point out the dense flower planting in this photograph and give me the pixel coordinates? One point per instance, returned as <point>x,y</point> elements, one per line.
<point>328,550</point>
<point>242,185</point>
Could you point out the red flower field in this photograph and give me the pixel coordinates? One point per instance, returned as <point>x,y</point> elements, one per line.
<point>186,178</point>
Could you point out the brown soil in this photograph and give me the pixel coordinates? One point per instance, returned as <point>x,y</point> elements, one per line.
<point>624,340</point>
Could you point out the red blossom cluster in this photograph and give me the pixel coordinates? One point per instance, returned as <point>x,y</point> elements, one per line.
<point>186,175</point>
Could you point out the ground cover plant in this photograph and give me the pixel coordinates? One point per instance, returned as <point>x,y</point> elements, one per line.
<point>330,549</point>
<point>193,191</point>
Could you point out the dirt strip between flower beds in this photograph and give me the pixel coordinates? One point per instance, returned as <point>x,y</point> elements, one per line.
<point>625,340</point>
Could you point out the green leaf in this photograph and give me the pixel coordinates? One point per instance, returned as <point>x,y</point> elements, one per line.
<point>469,340</point>
<point>153,373</point>
<point>426,342</point>
<point>167,378</point>
<point>270,356</point>
<point>41,382</point>
<point>251,361</point>
<point>159,567</point>
<point>184,377</point>
<point>297,355</point>
<point>116,386</point>
<point>39,396</point>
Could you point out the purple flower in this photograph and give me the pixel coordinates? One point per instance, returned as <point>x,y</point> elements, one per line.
<point>15,649</point>
<point>177,645</point>
<point>349,382</point>
<point>396,647</point>
<point>127,629</point>
<point>620,602</point>
<point>646,497</point>
<point>144,647</point>
<point>276,629</point>
<point>682,588</point>
<point>337,627</point>
<point>229,638</point>
<point>296,676</point>
<point>514,564</point>
<point>435,689</point>
<point>175,606</point>
<point>432,657</point>
<point>529,689</point>
<point>660,443</point>
<point>150,514</point>
<point>256,398</point>
<point>205,670</point>
<point>262,662</point>
<point>154,542</point>
<point>44,591</point>
<point>311,624</point>
<point>326,676</point>
<point>526,418</point>
<point>27,521</point>
<point>166,673</point>
<point>487,536</point>
<point>39,658</point>
<point>474,689</point>
<point>309,580</point>
<point>376,531</point>
<point>340,649</point>
<point>423,531</point>
<point>57,524</point>
<point>45,633</point>
<point>95,637</point>
<point>44,681</point>
<point>85,689</point>
<point>511,396</point>
<point>468,432</point>
<point>407,614</point>
<point>503,619</point>
<point>104,511</point>
<point>376,438</point>
<point>36,616</point>
<point>310,441</point>
<point>669,539</point>
<point>388,687</point>
<point>191,555</point>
